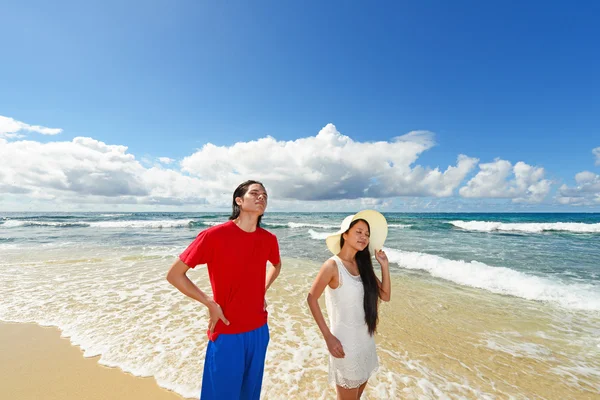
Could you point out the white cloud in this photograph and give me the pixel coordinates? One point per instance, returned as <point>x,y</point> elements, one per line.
<point>329,166</point>
<point>89,171</point>
<point>585,193</point>
<point>500,179</point>
<point>331,170</point>
<point>10,128</point>
<point>165,160</point>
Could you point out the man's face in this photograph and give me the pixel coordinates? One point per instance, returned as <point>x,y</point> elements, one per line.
<point>255,199</point>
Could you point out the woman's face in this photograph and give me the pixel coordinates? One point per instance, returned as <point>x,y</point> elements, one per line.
<point>357,236</point>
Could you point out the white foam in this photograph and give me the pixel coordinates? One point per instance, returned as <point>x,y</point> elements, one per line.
<point>295,225</point>
<point>17,223</point>
<point>12,224</point>
<point>122,309</point>
<point>488,226</point>
<point>176,223</point>
<point>318,235</point>
<point>583,376</point>
<point>106,224</point>
<point>519,349</point>
<point>500,280</point>
<point>212,223</point>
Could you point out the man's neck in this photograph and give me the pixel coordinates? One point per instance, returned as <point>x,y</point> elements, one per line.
<point>246,222</point>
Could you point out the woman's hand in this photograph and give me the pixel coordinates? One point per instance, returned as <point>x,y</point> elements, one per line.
<point>216,314</point>
<point>335,347</point>
<point>381,258</point>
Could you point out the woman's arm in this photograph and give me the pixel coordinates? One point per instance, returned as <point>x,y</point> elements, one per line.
<point>385,284</point>
<point>327,272</point>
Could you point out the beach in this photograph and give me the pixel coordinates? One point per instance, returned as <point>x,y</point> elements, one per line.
<point>483,307</point>
<point>37,363</point>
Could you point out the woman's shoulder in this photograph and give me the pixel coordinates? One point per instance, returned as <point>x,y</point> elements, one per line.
<point>330,265</point>
<point>331,261</point>
<point>331,271</point>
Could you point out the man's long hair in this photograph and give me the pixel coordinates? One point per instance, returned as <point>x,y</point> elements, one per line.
<point>240,191</point>
<point>369,281</point>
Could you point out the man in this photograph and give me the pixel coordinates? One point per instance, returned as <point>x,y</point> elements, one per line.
<point>236,254</point>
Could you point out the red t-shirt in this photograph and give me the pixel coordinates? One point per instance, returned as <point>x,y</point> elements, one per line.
<point>237,266</point>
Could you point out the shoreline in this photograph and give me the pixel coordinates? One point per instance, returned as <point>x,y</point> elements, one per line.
<point>38,363</point>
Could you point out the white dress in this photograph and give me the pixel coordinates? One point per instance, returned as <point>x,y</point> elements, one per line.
<point>347,323</point>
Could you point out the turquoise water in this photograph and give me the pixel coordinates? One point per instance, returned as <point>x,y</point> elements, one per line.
<point>562,249</point>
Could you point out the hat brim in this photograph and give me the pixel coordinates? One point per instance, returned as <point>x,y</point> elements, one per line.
<point>378,231</point>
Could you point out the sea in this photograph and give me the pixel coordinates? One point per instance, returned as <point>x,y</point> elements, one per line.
<point>484,306</point>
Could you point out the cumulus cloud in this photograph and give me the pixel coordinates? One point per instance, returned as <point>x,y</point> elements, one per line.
<point>11,128</point>
<point>325,171</point>
<point>585,193</point>
<point>330,166</point>
<point>87,170</point>
<point>165,160</point>
<point>522,183</point>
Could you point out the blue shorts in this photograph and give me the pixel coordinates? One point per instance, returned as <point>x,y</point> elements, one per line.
<point>234,365</point>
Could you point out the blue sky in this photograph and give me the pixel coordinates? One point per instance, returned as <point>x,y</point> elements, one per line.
<point>516,81</point>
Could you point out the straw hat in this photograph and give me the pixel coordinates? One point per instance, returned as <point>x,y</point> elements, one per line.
<point>378,230</point>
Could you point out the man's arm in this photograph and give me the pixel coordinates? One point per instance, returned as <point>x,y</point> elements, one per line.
<point>178,278</point>
<point>272,274</point>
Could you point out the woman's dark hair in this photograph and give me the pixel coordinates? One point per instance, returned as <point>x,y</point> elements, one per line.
<point>240,191</point>
<point>369,281</point>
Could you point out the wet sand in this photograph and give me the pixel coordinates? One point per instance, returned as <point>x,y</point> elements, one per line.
<point>36,363</point>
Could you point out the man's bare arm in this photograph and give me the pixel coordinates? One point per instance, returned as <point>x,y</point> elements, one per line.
<point>272,274</point>
<point>178,278</point>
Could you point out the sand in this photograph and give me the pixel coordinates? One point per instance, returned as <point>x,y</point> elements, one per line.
<point>36,363</point>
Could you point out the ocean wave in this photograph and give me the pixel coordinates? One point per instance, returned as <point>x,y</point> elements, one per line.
<point>274,225</point>
<point>500,280</point>
<point>210,223</point>
<point>319,235</point>
<point>18,223</point>
<point>295,225</point>
<point>538,227</point>
<point>145,224</point>
<point>323,235</point>
<point>336,227</point>
<point>173,223</point>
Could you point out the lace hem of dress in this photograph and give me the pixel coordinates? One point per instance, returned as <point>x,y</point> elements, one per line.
<point>336,379</point>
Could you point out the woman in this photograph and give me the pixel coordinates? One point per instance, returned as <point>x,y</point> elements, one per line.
<point>352,292</point>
